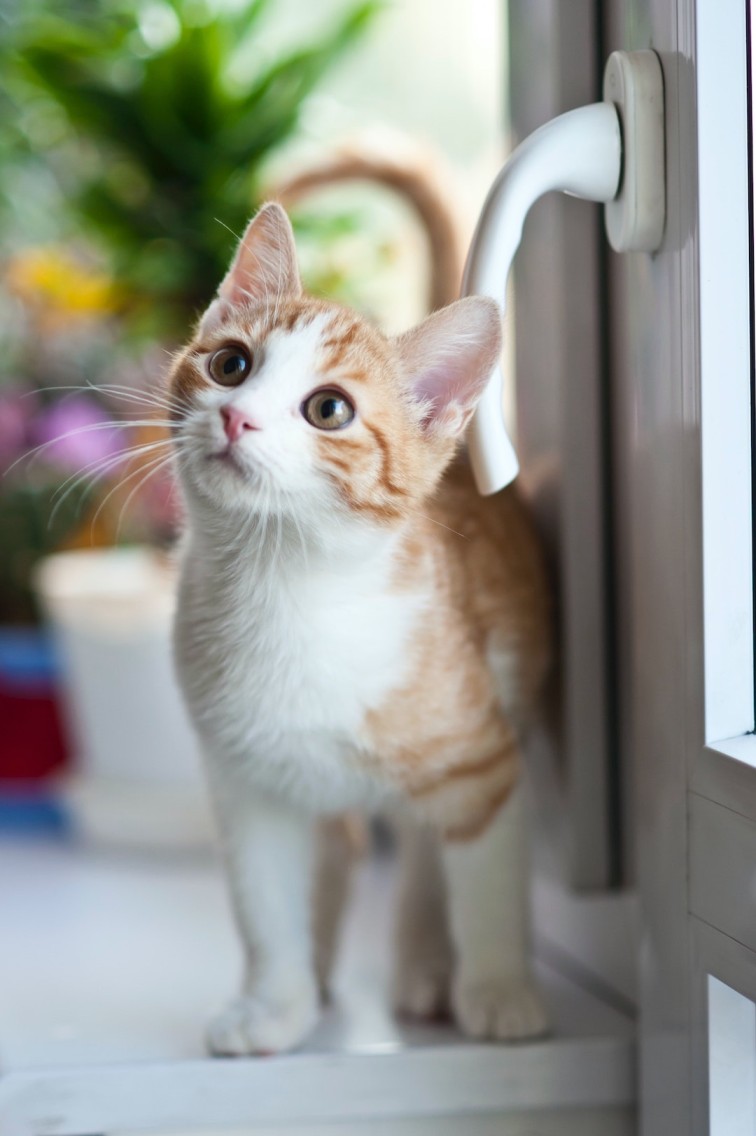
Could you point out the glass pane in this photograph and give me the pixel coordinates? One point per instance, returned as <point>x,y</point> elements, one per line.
<point>732,1061</point>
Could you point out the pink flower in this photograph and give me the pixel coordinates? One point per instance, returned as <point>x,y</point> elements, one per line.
<point>16,414</point>
<point>79,431</point>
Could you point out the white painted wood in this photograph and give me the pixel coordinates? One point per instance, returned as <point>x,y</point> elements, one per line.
<point>681,402</point>
<point>726,773</point>
<point>596,932</point>
<point>725,360</point>
<point>314,1089</point>
<point>561,423</point>
<point>654,403</point>
<point>722,860</point>
<point>110,966</point>
<point>714,955</point>
<point>732,1061</point>
<point>571,1122</point>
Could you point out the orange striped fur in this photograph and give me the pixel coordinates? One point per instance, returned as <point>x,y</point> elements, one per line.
<point>449,736</point>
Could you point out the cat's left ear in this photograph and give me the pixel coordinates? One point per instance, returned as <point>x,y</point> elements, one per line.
<point>264,268</point>
<point>448,359</point>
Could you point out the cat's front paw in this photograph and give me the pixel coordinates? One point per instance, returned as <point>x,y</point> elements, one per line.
<point>502,1009</point>
<point>255,1025</point>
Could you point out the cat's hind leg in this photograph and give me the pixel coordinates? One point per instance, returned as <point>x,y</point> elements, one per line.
<point>423,964</point>
<point>494,995</point>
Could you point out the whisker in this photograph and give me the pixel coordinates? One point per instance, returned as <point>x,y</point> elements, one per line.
<point>153,468</point>
<point>238,236</point>
<point>440,524</point>
<point>114,424</point>
<point>94,472</point>
<point>119,455</point>
<point>151,398</point>
<point>119,485</point>
<point>160,399</point>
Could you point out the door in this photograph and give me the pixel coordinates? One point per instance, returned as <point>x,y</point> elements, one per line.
<point>677,510</point>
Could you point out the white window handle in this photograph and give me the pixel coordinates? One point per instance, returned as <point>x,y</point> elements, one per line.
<point>612,152</point>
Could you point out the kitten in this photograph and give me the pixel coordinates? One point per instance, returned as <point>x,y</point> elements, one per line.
<point>356,629</point>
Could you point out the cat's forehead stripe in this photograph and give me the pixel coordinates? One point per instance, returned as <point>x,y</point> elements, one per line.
<point>342,338</point>
<point>356,349</point>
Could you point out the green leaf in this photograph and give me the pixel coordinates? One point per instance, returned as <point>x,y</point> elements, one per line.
<point>169,119</point>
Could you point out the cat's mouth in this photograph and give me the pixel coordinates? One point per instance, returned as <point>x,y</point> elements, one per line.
<point>230,459</point>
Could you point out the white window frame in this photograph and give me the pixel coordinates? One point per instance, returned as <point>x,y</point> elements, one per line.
<point>722,800</point>
<point>726,770</point>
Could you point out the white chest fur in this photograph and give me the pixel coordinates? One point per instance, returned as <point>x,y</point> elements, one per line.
<point>279,665</point>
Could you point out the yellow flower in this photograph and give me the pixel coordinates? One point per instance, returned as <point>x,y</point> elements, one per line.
<point>58,287</point>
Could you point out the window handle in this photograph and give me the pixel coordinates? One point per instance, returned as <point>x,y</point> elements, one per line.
<point>611,151</point>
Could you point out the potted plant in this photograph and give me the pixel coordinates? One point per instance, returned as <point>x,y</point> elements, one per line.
<point>141,132</point>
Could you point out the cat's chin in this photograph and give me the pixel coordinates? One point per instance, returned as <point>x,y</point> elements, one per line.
<point>228,459</point>
<point>223,483</point>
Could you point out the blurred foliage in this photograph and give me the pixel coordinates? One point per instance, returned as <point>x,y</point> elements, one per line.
<point>155,117</point>
<point>134,136</point>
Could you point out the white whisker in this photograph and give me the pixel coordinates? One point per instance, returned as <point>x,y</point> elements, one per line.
<point>119,485</point>
<point>114,424</point>
<point>93,474</point>
<point>153,468</point>
<point>440,524</point>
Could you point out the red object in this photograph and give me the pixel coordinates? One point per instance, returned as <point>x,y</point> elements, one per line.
<point>32,744</point>
<point>32,737</point>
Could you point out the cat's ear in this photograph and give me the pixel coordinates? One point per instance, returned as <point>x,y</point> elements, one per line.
<point>264,268</point>
<point>448,359</point>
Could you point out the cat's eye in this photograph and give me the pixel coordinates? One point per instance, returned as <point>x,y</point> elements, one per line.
<point>230,366</point>
<point>328,410</point>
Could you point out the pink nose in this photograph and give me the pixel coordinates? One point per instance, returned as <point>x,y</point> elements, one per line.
<point>235,422</point>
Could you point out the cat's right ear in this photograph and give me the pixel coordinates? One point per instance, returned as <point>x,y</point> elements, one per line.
<point>448,360</point>
<point>263,270</point>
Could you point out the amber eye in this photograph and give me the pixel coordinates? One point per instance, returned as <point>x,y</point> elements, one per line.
<point>328,410</point>
<point>230,366</point>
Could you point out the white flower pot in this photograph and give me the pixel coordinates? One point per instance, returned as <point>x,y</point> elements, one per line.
<point>137,777</point>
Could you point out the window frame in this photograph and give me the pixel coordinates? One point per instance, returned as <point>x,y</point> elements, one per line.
<point>726,769</point>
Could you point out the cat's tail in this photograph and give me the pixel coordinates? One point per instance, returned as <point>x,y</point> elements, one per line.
<point>413,175</point>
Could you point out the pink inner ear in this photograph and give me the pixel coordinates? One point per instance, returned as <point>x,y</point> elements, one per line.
<point>449,359</point>
<point>265,264</point>
<point>437,386</point>
<point>235,290</point>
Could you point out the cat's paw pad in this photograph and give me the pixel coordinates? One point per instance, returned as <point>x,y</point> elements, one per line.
<point>422,994</point>
<point>253,1025</point>
<point>500,1009</point>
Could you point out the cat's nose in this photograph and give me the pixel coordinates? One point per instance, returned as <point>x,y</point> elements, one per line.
<point>236,422</point>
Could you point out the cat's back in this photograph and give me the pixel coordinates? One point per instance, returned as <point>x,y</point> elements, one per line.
<point>479,657</point>
<point>495,578</point>
<point>451,730</point>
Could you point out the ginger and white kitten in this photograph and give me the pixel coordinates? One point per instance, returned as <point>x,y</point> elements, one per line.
<point>356,629</point>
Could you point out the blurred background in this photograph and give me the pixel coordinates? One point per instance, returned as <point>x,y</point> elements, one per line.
<point>136,138</point>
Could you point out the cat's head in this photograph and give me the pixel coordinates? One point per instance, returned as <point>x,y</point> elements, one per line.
<point>286,404</point>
